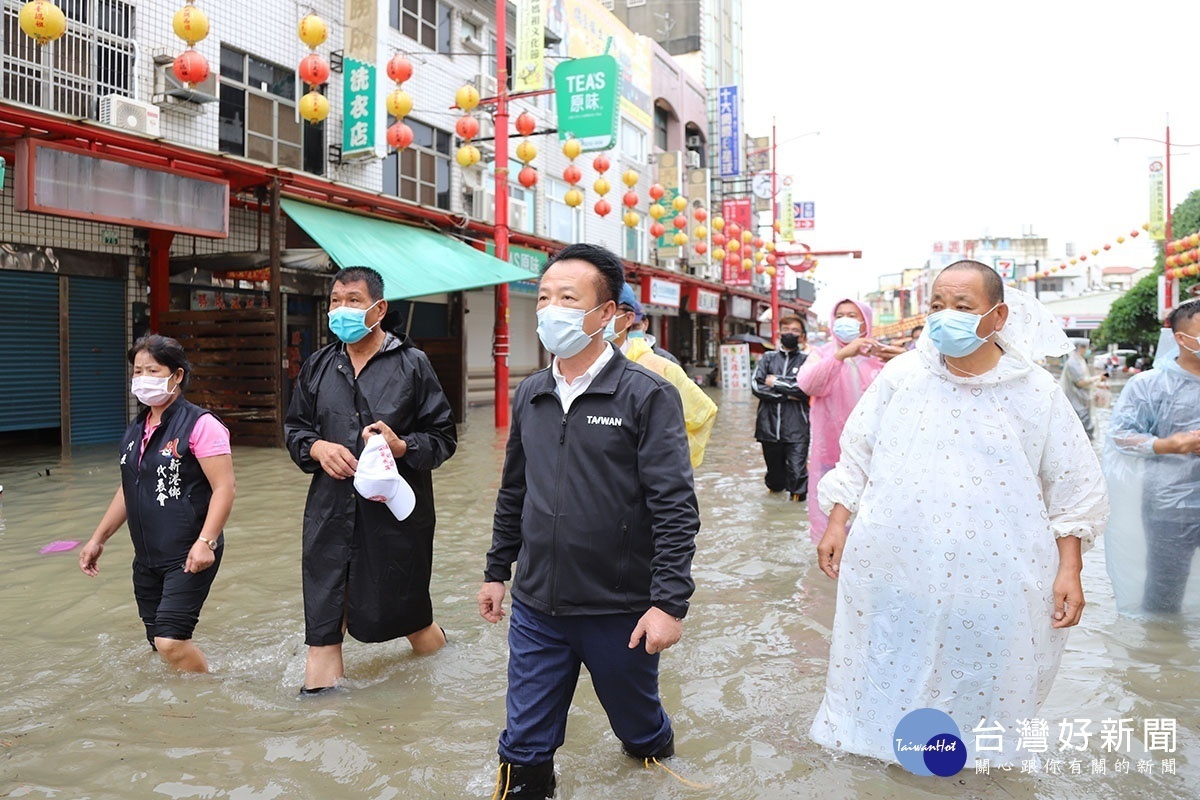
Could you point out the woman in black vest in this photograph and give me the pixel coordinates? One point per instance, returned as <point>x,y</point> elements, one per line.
<point>176,492</point>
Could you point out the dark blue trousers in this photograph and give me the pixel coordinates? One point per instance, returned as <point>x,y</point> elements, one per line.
<point>545,653</point>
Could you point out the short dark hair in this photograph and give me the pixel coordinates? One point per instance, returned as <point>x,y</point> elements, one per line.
<point>166,351</point>
<point>993,284</point>
<point>612,271</point>
<point>369,276</point>
<point>792,319</point>
<point>1183,311</point>
<point>916,329</point>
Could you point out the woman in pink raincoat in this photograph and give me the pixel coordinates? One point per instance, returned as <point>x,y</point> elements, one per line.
<point>835,376</point>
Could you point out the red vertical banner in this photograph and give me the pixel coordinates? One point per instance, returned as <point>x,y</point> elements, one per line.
<point>737,212</point>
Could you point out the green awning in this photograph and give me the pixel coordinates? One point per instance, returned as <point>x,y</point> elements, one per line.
<point>414,261</point>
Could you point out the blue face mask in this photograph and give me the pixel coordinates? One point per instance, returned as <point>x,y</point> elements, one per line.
<point>561,330</point>
<point>637,335</point>
<point>846,329</point>
<point>953,333</point>
<point>350,324</point>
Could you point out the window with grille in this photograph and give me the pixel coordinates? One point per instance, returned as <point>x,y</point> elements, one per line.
<point>257,115</point>
<point>420,173</point>
<point>424,21</point>
<point>95,57</point>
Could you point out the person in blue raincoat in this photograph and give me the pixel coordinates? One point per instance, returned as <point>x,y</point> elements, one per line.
<point>1152,463</point>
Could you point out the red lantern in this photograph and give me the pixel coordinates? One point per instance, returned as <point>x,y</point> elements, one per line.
<point>657,229</point>
<point>701,248</point>
<point>757,241</point>
<point>718,239</point>
<point>527,177</point>
<point>601,163</point>
<point>1134,233</point>
<point>399,68</point>
<point>760,269</point>
<point>1108,247</point>
<point>772,259</point>
<point>190,67</point>
<point>399,136</point>
<point>313,69</point>
<point>572,174</point>
<point>680,221</point>
<point>656,192</point>
<point>1083,257</point>
<point>467,127</point>
<point>733,231</point>
<point>525,123</point>
<point>630,199</point>
<point>700,214</point>
<point>603,207</point>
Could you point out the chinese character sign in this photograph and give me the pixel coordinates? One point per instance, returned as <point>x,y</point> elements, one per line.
<point>531,46</point>
<point>585,93</point>
<point>1158,205</point>
<point>358,108</point>
<point>728,135</point>
<point>787,217</point>
<point>735,367</point>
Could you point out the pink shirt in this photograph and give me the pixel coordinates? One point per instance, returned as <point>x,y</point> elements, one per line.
<point>208,438</point>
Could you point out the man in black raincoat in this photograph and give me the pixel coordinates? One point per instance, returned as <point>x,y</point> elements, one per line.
<point>782,425</point>
<point>364,571</point>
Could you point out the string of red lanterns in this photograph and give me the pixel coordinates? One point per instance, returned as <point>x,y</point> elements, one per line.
<point>1046,273</point>
<point>467,127</point>
<point>313,31</point>
<point>399,102</point>
<point>526,151</point>
<point>572,174</point>
<point>191,25</point>
<point>1183,257</point>
<point>632,219</point>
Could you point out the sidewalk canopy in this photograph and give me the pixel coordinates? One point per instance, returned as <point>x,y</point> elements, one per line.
<point>414,262</point>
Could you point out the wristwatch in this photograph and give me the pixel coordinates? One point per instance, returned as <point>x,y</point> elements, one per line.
<point>212,543</point>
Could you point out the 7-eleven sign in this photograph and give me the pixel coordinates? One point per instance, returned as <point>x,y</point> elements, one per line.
<point>1007,267</point>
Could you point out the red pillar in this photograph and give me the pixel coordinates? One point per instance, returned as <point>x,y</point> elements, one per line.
<point>160,276</point>
<point>500,331</point>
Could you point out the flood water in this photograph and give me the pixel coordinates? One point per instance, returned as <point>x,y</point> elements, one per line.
<point>87,711</point>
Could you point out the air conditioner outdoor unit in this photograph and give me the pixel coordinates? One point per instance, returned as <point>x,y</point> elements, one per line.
<point>473,43</point>
<point>129,114</point>
<point>473,180</point>
<point>634,3</point>
<point>693,159</point>
<point>694,142</point>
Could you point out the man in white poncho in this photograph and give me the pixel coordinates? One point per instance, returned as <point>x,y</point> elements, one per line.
<point>973,491</point>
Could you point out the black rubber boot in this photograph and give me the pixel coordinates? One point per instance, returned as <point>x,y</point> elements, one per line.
<point>526,783</point>
<point>666,751</point>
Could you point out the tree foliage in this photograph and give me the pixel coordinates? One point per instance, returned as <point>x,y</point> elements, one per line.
<point>1133,319</point>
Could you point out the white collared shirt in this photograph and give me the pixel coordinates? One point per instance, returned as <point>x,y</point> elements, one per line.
<point>567,392</point>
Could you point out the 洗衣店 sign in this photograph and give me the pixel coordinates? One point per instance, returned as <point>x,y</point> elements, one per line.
<point>702,301</point>
<point>661,293</point>
<point>585,93</point>
<point>358,108</point>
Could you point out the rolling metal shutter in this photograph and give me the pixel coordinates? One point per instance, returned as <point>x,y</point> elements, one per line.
<point>29,363</point>
<point>98,354</point>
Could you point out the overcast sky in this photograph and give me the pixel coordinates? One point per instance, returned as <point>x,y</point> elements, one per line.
<point>955,120</point>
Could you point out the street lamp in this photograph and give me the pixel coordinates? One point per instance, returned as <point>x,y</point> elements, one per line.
<point>1166,143</point>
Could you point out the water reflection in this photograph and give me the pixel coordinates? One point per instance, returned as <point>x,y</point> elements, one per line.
<point>88,711</point>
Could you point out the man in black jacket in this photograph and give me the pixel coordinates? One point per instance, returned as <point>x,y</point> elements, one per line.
<point>363,570</point>
<point>782,425</point>
<point>596,506</point>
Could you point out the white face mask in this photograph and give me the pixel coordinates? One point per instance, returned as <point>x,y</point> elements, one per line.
<point>561,330</point>
<point>846,329</point>
<point>152,391</point>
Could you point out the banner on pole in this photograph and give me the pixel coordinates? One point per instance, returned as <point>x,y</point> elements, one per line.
<point>530,62</point>
<point>1158,203</point>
